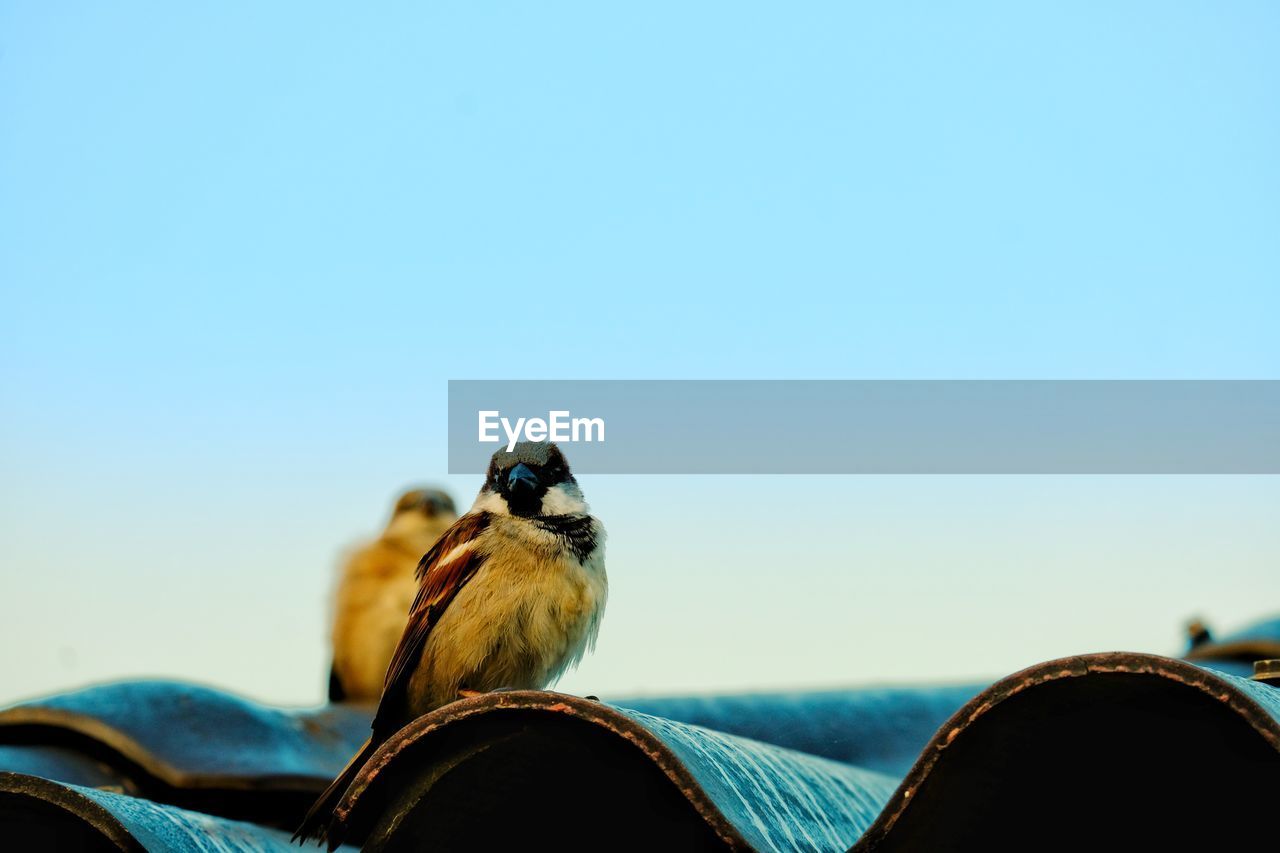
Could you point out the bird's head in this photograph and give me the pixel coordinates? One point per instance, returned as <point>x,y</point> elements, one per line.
<point>532,479</point>
<point>429,503</point>
<point>421,515</point>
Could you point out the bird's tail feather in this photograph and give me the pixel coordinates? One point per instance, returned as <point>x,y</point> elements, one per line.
<point>318,823</point>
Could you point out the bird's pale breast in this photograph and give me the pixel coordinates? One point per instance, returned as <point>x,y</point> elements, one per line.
<point>531,611</point>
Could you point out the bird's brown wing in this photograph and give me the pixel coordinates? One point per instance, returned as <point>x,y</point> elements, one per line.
<point>441,575</point>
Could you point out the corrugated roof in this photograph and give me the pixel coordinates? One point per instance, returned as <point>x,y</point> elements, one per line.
<point>40,814</point>
<point>186,745</point>
<point>1049,755</point>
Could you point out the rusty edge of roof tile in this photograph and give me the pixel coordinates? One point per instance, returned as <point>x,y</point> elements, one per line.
<point>411,748</point>
<point>364,794</point>
<point>165,729</point>
<point>1257,704</point>
<point>97,819</point>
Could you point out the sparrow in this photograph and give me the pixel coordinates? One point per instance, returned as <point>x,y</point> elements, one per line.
<point>375,588</point>
<point>510,596</point>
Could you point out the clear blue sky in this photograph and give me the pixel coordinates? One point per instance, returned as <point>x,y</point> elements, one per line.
<point>243,247</point>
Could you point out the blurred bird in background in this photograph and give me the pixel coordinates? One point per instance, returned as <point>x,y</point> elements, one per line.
<point>376,588</point>
<point>510,596</point>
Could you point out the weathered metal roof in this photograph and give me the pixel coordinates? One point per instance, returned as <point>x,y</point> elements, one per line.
<point>628,773</point>
<point>184,744</point>
<point>1050,756</point>
<point>192,736</point>
<point>1117,750</point>
<point>1236,652</point>
<point>878,728</point>
<point>1070,727</point>
<point>39,814</point>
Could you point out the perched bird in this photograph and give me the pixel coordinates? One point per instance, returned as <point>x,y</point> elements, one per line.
<point>510,596</point>
<point>375,590</point>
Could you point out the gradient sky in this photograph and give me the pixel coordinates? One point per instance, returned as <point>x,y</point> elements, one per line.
<point>244,246</point>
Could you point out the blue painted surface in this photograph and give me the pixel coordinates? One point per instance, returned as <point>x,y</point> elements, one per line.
<point>168,829</point>
<point>779,799</point>
<point>881,729</point>
<point>202,730</point>
<point>790,771</point>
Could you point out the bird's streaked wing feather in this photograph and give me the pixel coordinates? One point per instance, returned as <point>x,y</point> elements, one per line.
<point>441,574</point>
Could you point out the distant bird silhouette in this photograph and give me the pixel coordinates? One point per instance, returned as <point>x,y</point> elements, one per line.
<point>375,590</point>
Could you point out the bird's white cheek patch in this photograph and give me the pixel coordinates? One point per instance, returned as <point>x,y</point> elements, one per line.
<point>563,500</point>
<point>490,502</point>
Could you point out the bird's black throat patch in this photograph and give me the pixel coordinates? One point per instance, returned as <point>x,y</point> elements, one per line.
<point>578,532</point>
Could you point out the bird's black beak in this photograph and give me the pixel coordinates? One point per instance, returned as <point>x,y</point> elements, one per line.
<point>522,480</point>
